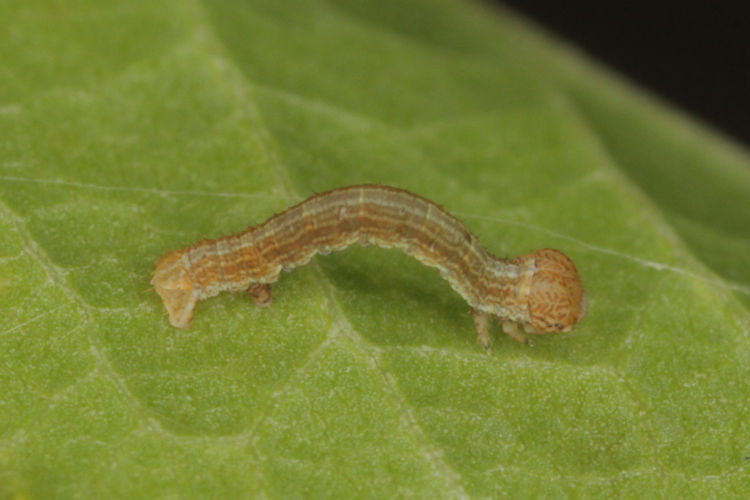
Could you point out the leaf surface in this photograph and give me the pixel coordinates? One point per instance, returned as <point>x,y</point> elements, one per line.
<point>133,128</point>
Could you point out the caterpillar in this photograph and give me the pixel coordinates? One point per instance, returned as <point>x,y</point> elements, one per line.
<point>541,291</point>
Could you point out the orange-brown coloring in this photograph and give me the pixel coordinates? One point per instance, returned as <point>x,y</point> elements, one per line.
<point>541,291</point>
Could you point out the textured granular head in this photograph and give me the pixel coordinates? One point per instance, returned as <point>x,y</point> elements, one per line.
<point>557,300</point>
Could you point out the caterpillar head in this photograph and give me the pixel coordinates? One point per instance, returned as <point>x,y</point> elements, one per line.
<point>557,301</point>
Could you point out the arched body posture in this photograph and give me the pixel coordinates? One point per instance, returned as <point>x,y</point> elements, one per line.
<point>541,291</point>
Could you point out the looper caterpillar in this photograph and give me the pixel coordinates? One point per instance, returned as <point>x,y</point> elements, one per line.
<point>541,291</point>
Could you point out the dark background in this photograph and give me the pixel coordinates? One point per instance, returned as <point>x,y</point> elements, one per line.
<point>694,54</point>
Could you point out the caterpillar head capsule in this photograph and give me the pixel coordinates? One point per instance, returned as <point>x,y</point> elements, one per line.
<point>557,301</point>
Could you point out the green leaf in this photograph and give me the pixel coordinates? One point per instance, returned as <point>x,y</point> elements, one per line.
<point>129,129</point>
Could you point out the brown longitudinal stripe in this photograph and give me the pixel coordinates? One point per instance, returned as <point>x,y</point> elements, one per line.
<point>541,291</point>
